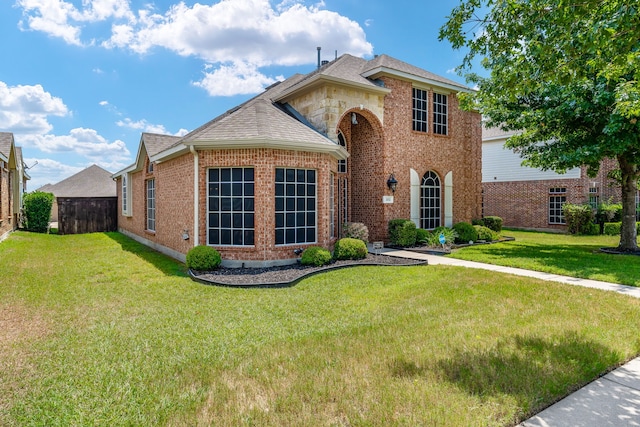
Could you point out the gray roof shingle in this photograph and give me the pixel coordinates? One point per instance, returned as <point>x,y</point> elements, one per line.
<point>6,139</point>
<point>90,182</point>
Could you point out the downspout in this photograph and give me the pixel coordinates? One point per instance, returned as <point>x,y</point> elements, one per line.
<point>196,196</point>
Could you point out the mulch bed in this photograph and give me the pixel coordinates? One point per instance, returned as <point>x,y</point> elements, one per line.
<point>288,275</point>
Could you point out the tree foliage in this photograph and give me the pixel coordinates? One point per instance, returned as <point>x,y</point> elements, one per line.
<point>564,74</point>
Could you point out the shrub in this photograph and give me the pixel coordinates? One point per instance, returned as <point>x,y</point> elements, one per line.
<point>592,229</point>
<point>466,232</point>
<point>315,255</point>
<point>614,228</point>
<point>37,211</point>
<point>203,258</point>
<point>477,221</point>
<point>609,212</point>
<point>422,236</point>
<point>402,232</point>
<point>349,248</point>
<point>577,217</point>
<point>356,230</point>
<point>485,233</point>
<point>449,236</point>
<point>493,222</point>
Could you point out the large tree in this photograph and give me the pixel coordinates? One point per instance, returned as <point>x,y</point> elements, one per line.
<point>564,72</point>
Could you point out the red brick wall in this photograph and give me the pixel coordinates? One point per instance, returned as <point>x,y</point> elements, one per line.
<point>525,204</point>
<point>377,152</point>
<point>6,207</point>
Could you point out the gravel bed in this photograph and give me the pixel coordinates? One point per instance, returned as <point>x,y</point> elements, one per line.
<point>286,275</point>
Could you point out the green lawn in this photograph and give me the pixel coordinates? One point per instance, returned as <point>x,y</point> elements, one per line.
<point>564,254</point>
<point>98,330</point>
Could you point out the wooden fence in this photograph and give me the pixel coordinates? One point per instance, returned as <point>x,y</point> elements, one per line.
<point>87,215</point>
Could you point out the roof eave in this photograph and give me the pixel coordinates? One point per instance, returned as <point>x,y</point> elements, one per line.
<point>408,76</point>
<point>319,80</point>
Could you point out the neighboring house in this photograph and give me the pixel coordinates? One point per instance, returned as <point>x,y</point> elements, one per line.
<point>13,183</point>
<point>531,198</point>
<point>286,169</point>
<point>85,202</point>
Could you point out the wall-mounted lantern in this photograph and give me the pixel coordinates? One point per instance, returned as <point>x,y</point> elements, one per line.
<point>392,183</point>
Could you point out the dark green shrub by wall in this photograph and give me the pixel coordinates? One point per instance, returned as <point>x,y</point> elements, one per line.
<point>203,258</point>
<point>578,218</point>
<point>349,248</point>
<point>485,233</point>
<point>493,222</point>
<point>422,236</point>
<point>614,228</point>
<point>466,232</point>
<point>315,255</point>
<point>37,211</point>
<point>402,232</point>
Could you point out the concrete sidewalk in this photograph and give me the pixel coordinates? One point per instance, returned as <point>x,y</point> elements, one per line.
<point>612,400</point>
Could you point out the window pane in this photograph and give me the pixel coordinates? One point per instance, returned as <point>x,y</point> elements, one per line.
<point>237,187</point>
<point>296,207</point>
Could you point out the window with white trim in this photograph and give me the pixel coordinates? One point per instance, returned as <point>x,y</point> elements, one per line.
<point>420,110</point>
<point>126,195</point>
<point>342,164</point>
<point>594,197</point>
<point>557,199</point>
<point>151,205</point>
<point>430,191</point>
<point>231,207</point>
<point>295,197</point>
<point>440,114</point>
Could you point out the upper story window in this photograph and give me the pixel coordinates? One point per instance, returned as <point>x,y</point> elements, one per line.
<point>440,113</point>
<point>420,110</point>
<point>342,164</point>
<point>150,167</point>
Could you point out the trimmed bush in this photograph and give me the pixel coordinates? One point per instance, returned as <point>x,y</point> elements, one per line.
<point>402,232</point>
<point>315,255</point>
<point>592,229</point>
<point>477,221</point>
<point>466,232</point>
<point>422,236</point>
<point>609,212</point>
<point>577,217</point>
<point>493,222</point>
<point>37,211</point>
<point>203,258</point>
<point>485,233</point>
<point>356,230</point>
<point>349,248</point>
<point>615,228</point>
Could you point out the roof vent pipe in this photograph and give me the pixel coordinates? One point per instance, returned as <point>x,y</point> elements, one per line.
<point>319,49</point>
<point>324,62</point>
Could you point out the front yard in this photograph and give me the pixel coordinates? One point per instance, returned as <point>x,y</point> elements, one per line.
<point>98,330</point>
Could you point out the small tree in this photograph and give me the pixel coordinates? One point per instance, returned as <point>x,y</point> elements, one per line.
<point>37,211</point>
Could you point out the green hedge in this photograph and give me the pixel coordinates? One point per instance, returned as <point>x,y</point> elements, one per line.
<point>579,218</point>
<point>402,232</point>
<point>493,222</point>
<point>614,228</point>
<point>466,232</point>
<point>203,258</point>
<point>315,255</point>
<point>349,248</point>
<point>37,211</point>
<point>422,236</point>
<point>485,233</point>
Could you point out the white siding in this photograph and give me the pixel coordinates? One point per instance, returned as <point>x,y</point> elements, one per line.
<point>500,164</point>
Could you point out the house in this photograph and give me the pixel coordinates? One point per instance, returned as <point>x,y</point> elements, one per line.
<point>286,169</point>
<point>531,198</point>
<point>85,202</point>
<point>13,183</point>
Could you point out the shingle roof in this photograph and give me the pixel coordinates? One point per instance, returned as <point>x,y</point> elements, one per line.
<point>6,139</point>
<point>386,61</point>
<point>90,182</point>
<point>156,143</point>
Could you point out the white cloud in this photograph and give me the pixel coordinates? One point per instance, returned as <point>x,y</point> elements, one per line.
<point>48,171</point>
<point>234,79</point>
<point>234,35</point>
<point>368,22</point>
<point>24,109</point>
<point>144,126</point>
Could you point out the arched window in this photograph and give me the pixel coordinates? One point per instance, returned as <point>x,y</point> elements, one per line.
<point>430,191</point>
<point>342,164</point>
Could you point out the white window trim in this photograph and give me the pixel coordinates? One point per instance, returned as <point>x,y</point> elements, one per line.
<point>125,186</point>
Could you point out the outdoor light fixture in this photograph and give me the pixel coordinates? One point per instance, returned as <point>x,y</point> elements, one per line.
<point>354,119</point>
<point>392,183</point>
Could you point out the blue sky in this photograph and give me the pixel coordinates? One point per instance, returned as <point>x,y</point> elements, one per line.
<point>80,80</point>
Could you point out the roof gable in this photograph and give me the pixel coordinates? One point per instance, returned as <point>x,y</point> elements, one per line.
<point>90,182</point>
<point>7,149</point>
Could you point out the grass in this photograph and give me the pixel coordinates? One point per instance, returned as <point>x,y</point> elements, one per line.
<point>563,254</point>
<point>99,330</point>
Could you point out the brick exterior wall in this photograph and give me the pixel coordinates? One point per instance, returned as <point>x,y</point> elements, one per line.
<point>7,218</point>
<point>525,204</point>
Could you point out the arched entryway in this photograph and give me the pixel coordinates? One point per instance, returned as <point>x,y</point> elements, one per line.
<point>362,185</point>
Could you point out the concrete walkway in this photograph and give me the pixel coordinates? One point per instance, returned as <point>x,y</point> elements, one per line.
<point>612,400</point>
